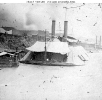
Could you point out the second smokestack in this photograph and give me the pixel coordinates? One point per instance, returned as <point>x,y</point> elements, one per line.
<point>53,28</point>
<point>65,29</point>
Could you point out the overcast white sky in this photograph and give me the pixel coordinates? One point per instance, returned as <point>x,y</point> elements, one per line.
<point>84,20</point>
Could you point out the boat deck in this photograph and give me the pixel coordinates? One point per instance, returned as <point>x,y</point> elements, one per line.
<point>49,63</point>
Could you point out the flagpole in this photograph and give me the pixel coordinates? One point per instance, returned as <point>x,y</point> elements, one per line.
<point>45,46</point>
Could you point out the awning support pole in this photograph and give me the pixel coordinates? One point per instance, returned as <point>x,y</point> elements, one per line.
<point>45,47</point>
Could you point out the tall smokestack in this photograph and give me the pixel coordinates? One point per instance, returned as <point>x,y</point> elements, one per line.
<point>100,41</point>
<point>96,40</point>
<point>96,43</point>
<point>65,30</point>
<point>53,28</point>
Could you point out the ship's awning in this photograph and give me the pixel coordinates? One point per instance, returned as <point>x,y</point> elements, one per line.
<point>53,46</point>
<point>37,47</point>
<point>58,47</point>
<point>4,53</point>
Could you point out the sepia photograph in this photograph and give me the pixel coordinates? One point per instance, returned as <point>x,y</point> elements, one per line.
<point>50,50</point>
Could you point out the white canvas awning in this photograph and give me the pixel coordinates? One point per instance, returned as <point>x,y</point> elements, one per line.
<point>58,47</point>
<point>37,47</point>
<point>3,53</point>
<point>53,46</point>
